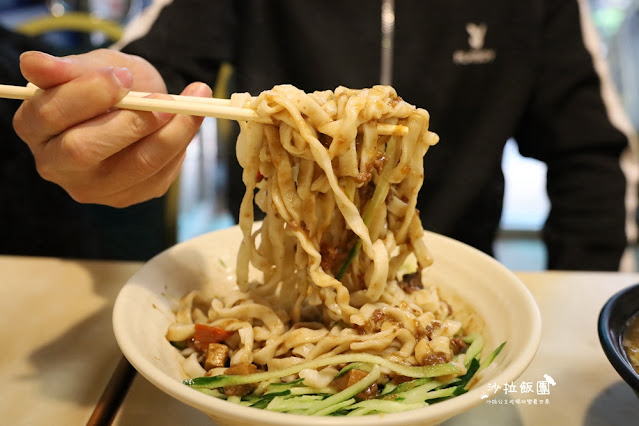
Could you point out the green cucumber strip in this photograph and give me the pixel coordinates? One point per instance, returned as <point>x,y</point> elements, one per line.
<point>379,195</point>
<point>179,344</point>
<point>455,382</point>
<point>264,400</point>
<point>347,393</point>
<point>417,372</point>
<point>388,388</point>
<point>307,390</point>
<point>474,350</point>
<point>335,407</point>
<point>349,259</point>
<point>359,412</point>
<point>419,393</point>
<point>486,362</point>
<point>440,393</point>
<point>262,403</point>
<point>298,403</point>
<point>469,338</point>
<point>406,386</point>
<point>382,406</point>
<point>270,396</point>
<point>355,365</point>
<point>459,390</point>
<point>251,399</point>
<point>282,386</point>
<point>455,392</point>
<point>234,399</point>
<point>470,372</point>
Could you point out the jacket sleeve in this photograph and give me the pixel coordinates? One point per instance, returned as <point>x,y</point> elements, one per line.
<point>188,41</point>
<point>567,127</point>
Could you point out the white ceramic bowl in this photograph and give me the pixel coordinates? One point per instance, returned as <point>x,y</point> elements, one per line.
<point>142,314</point>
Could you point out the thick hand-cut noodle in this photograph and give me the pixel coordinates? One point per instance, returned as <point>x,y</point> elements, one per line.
<point>327,181</point>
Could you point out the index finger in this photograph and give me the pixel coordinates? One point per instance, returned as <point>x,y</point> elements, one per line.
<point>55,110</point>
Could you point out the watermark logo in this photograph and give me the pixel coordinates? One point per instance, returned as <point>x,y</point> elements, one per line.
<point>477,54</point>
<point>529,392</point>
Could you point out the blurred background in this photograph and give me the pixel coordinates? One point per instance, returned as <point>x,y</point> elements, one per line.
<point>196,203</point>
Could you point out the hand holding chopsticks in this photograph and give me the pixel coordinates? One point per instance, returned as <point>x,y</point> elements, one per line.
<point>99,140</point>
<point>81,141</point>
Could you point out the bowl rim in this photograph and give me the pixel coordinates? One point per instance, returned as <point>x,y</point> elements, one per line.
<point>445,409</point>
<point>611,342</point>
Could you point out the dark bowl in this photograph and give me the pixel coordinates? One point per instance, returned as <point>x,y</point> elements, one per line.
<point>613,318</point>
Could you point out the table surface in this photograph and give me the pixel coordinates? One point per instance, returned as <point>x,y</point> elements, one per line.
<point>59,352</point>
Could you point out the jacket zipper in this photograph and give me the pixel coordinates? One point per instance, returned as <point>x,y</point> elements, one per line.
<point>388,34</point>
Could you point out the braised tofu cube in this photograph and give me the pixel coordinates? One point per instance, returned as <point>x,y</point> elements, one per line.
<point>241,370</point>
<point>216,356</point>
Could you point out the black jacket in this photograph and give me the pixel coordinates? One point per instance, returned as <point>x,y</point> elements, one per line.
<point>485,70</point>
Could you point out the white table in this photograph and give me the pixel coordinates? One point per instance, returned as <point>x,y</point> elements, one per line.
<point>59,351</point>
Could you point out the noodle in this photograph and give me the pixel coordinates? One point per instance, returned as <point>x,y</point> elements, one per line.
<point>341,226</point>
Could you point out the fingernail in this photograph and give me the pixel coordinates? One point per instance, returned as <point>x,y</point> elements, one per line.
<point>124,77</point>
<point>164,116</point>
<point>42,55</point>
<point>201,90</point>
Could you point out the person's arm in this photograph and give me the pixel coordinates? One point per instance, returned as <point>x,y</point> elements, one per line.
<point>567,127</point>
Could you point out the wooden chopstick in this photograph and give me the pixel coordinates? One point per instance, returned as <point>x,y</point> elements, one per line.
<point>189,105</point>
<point>113,395</point>
<point>137,102</point>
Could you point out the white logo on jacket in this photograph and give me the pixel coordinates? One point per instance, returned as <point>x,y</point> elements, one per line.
<point>477,54</point>
<point>476,33</point>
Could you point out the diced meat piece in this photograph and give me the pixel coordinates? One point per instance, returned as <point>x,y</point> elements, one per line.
<point>436,358</point>
<point>239,390</point>
<point>399,379</point>
<point>240,370</point>
<point>457,344</point>
<point>216,356</point>
<point>411,282</point>
<point>328,253</point>
<point>350,378</point>
<point>375,322</point>
<point>368,393</point>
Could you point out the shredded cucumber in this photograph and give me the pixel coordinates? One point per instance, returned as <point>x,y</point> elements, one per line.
<point>474,350</point>
<point>382,406</point>
<point>298,403</point>
<point>485,363</point>
<point>418,393</point>
<point>297,398</point>
<point>406,386</point>
<point>335,407</point>
<point>282,386</point>
<point>229,380</point>
<point>354,366</point>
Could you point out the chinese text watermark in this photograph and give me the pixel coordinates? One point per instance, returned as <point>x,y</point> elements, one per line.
<point>524,393</point>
